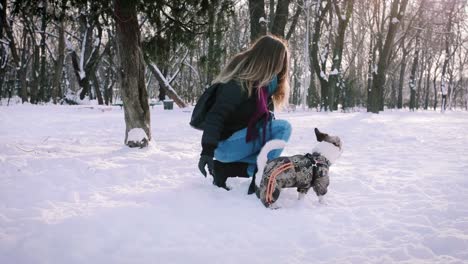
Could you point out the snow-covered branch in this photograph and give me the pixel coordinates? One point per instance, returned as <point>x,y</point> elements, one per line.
<point>167,86</point>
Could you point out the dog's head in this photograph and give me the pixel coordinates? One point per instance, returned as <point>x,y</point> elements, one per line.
<point>328,146</point>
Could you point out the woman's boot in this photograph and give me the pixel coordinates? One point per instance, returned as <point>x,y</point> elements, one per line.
<point>252,187</point>
<point>222,171</point>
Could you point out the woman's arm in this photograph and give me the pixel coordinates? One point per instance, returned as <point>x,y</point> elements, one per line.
<point>228,97</point>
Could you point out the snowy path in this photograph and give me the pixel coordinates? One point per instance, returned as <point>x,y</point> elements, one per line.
<point>70,192</point>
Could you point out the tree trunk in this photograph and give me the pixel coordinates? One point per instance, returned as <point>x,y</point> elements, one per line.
<point>448,36</point>
<point>257,11</point>
<point>315,64</point>
<point>43,94</point>
<point>414,67</point>
<point>212,9</point>
<point>281,18</point>
<point>376,98</point>
<point>132,72</point>
<point>57,81</point>
<point>22,70</point>
<point>335,75</point>
<point>434,83</point>
<point>35,78</point>
<point>426,88</point>
<point>295,18</point>
<point>271,15</point>
<point>97,89</point>
<point>401,81</point>
<point>370,72</point>
<point>216,23</point>
<point>420,78</point>
<point>412,82</point>
<point>3,52</point>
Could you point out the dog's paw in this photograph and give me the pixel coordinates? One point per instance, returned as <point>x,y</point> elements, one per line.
<point>274,206</point>
<point>300,196</point>
<point>321,200</point>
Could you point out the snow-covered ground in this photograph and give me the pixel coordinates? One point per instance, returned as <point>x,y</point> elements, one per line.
<point>71,192</point>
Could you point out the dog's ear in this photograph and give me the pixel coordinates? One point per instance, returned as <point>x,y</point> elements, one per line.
<point>320,136</point>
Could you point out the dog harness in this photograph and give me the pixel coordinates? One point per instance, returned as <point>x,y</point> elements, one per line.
<point>318,162</point>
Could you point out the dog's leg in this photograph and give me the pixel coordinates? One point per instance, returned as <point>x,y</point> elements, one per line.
<point>321,199</point>
<point>252,187</point>
<point>274,206</point>
<point>301,192</point>
<point>300,196</point>
<point>275,195</point>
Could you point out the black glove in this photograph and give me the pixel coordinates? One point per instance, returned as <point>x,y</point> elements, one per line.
<point>205,160</point>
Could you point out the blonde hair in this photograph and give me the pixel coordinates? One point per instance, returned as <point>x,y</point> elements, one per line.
<point>256,67</point>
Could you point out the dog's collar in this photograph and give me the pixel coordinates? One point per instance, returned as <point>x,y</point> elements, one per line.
<point>317,160</point>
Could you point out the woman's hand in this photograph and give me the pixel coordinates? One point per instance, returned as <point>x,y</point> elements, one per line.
<point>205,160</point>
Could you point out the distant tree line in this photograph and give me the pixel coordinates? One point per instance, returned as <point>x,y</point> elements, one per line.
<point>345,54</point>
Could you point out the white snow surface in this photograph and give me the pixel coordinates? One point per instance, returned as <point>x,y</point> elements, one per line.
<point>72,192</point>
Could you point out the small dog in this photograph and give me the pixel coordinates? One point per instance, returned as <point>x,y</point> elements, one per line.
<point>298,171</point>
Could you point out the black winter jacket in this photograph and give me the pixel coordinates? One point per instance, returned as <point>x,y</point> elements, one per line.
<point>230,112</point>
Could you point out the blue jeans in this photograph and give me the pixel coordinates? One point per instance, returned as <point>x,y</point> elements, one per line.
<point>235,149</point>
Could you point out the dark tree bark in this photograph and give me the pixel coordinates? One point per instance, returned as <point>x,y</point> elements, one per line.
<point>280,18</point>
<point>132,71</point>
<point>370,70</point>
<point>97,89</point>
<point>43,77</point>
<point>210,62</point>
<point>338,51</point>
<point>295,18</point>
<point>401,81</point>
<point>90,49</point>
<point>56,84</point>
<point>420,78</point>
<point>35,77</point>
<point>3,52</point>
<point>216,25</point>
<point>376,98</point>
<point>271,15</point>
<point>22,70</point>
<point>257,11</point>
<point>448,39</point>
<point>315,63</point>
<point>92,62</point>
<point>434,83</point>
<point>16,59</point>
<point>109,70</point>
<point>412,82</point>
<point>427,84</point>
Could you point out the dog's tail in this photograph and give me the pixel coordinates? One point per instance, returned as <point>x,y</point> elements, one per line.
<point>263,157</point>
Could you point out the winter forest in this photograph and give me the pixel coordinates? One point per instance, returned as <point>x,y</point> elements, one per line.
<point>345,54</point>
<point>100,162</point>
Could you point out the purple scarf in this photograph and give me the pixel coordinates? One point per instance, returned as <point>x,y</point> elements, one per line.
<point>261,112</point>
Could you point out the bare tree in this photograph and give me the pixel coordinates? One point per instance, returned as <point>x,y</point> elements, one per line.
<point>132,70</point>
<point>257,19</point>
<point>397,11</point>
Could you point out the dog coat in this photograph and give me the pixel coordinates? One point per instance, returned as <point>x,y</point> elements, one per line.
<point>298,171</point>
